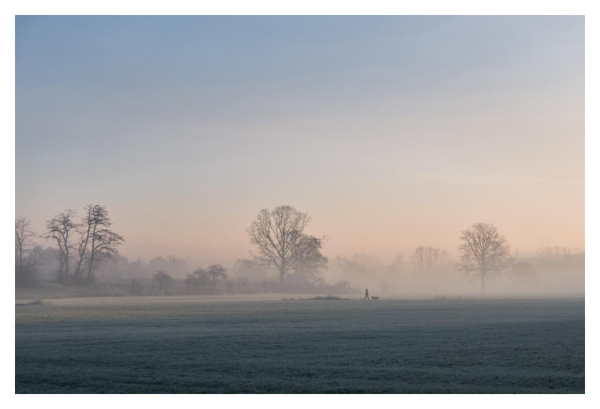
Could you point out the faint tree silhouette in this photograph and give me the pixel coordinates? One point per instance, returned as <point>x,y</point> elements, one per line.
<point>484,252</point>
<point>163,280</point>
<point>196,279</point>
<point>215,273</point>
<point>23,236</point>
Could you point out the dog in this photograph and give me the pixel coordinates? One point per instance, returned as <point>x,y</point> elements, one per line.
<point>374,298</point>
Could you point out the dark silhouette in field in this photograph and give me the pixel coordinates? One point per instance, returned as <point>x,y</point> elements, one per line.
<point>366,294</point>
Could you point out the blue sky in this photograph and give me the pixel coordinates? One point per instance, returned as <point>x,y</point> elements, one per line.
<point>392,132</point>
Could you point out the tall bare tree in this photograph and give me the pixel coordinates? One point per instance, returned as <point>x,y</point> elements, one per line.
<point>95,219</point>
<point>484,252</point>
<point>61,228</point>
<point>23,236</point>
<point>277,235</point>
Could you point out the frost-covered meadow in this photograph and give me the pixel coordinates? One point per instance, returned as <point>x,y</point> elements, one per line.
<point>264,344</point>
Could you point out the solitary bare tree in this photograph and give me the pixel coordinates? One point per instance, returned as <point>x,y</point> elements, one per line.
<point>277,236</point>
<point>23,236</point>
<point>484,252</point>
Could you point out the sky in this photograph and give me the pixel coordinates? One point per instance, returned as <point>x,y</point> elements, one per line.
<point>391,132</point>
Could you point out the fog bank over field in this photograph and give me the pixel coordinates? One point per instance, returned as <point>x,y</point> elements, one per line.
<point>84,254</point>
<point>229,154</point>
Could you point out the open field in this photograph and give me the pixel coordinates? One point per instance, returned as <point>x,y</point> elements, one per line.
<point>258,344</point>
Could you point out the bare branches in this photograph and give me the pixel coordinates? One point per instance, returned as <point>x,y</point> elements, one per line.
<point>95,216</point>
<point>61,228</point>
<point>277,235</point>
<point>484,252</point>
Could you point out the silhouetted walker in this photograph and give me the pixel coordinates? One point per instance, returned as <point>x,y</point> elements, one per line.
<point>366,294</point>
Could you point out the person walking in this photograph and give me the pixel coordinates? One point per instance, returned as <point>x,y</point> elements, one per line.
<point>366,294</point>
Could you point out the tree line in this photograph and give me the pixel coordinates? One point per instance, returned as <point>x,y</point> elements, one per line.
<point>83,244</point>
<point>279,242</point>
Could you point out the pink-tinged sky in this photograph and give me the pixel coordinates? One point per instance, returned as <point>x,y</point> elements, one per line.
<point>392,132</point>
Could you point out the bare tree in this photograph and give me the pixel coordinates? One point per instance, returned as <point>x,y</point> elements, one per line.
<point>485,252</point>
<point>61,228</point>
<point>104,244</point>
<point>23,236</point>
<point>277,235</point>
<point>96,217</point>
<point>215,273</point>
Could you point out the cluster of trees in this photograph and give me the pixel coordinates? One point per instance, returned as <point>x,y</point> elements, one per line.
<point>206,278</point>
<point>83,245</point>
<point>484,254</point>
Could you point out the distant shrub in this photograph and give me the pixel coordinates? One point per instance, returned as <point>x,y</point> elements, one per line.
<point>163,280</point>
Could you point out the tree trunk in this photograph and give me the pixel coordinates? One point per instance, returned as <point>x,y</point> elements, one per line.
<point>482,282</point>
<point>78,270</point>
<point>66,263</point>
<point>281,276</point>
